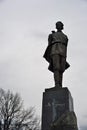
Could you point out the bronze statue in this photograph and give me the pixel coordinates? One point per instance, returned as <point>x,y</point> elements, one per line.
<point>56,53</point>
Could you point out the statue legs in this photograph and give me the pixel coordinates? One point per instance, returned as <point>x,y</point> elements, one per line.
<point>58,79</point>
<point>58,62</point>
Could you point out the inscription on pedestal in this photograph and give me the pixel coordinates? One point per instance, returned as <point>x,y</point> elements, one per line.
<point>54,106</point>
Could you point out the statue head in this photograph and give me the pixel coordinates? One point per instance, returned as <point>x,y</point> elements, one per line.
<point>59,26</point>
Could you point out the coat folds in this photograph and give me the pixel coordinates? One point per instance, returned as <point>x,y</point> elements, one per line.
<point>48,58</point>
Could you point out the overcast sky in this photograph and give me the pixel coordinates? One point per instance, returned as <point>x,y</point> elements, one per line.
<point>24,29</point>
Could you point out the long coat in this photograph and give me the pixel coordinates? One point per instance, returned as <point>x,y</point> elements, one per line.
<point>48,58</point>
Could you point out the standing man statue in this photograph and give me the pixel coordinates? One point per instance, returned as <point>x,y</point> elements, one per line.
<point>56,53</point>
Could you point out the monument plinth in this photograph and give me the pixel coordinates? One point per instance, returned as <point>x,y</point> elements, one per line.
<point>56,106</point>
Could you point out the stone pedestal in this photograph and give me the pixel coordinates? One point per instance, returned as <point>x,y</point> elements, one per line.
<point>55,103</point>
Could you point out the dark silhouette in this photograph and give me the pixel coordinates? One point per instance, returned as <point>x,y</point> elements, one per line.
<point>56,53</point>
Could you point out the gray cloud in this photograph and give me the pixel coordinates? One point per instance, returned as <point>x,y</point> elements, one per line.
<point>83,127</point>
<point>85,116</point>
<point>85,0</point>
<point>39,34</point>
<point>1,0</point>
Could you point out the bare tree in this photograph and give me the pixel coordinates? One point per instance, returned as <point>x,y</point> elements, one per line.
<point>13,113</point>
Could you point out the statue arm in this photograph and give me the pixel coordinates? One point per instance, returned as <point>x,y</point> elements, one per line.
<point>66,43</point>
<point>50,39</point>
